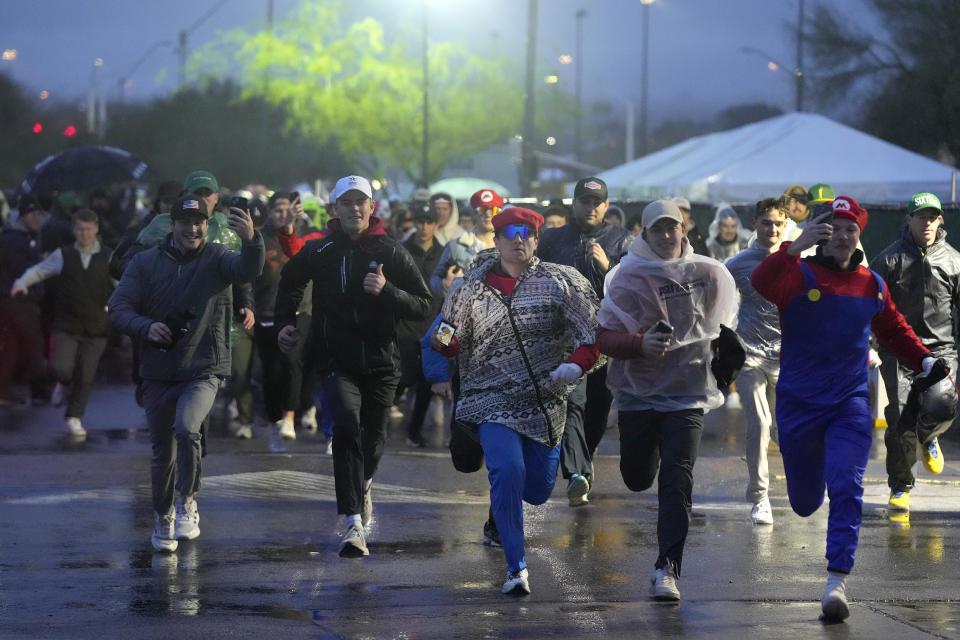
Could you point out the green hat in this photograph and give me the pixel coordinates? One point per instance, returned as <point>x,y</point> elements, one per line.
<point>923,201</point>
<point>200,180</point>
<point>820,193</point>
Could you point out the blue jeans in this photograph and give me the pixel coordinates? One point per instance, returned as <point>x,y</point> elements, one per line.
<point>519,469</point>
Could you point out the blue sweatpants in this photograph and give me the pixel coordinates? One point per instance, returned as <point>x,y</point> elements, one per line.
<point>519,469</point>
<point>827,447</point>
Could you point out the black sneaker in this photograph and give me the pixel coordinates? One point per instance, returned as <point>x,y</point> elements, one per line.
<point>491,537</point>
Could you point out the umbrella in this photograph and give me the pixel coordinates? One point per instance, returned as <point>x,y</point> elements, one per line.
<point>463,188</point>
<point>82,168</point>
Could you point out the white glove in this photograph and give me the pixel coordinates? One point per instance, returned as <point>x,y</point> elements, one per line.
<point>927,364</point>
<point>874,359</point>
<point>567,373</point>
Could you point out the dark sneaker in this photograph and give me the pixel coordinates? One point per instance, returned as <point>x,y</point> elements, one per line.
<point>491,537</point>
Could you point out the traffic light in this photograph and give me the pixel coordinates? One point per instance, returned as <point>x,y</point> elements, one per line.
<point>37,127</point>
<point>70,131</point>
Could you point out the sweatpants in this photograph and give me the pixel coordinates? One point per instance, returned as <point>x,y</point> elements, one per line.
<point>75,359</point>
<point>520,469</point>
<point>175,413</point>
<point>757,384</point>
<point>827,447</point>
<point>360,406</point>
<point>670,441</point>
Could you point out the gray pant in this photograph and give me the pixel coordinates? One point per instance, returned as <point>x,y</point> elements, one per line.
<point>176,410</point>
<point>757,385</point>
<point>75,359</point>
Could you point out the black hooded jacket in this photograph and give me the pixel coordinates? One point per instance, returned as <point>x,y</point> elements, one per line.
<point>924,283</point>
<point>570,245</point>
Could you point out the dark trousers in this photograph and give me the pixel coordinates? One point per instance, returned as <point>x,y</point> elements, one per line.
<point>668,440</point>
<point>901,442</point>
<point>175,413</point>
<point>274,376</point>
<point>360,405</point>
<point>241,365</point>
<point>21,343</point>
<point>75,359</point>
<point>588,408</point>
<point>287,377</point>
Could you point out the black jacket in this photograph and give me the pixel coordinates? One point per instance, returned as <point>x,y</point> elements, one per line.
<point>697,242</point>
<point>925,285</point>
<point>570,245</point>
<point>354,332</point>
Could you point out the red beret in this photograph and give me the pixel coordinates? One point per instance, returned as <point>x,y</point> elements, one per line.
<point>849,209</point>
<point>486,198</point>
<point>517,215</point>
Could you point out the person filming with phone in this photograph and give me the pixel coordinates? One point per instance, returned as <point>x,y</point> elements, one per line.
<point>176,299</point>
<point>664,307</point>
<point>523,331</point>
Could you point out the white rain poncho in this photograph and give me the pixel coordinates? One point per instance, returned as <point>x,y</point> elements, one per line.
<point>695,294</point>
<point>720,249</point>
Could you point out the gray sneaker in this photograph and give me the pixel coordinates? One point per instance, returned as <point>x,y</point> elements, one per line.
<point>578,490</point>
<point>188,519</point>
<point>164,538</point>
<point>366,512</point>
<point>834,602</point>
<point>664,584</point>
<point>353,544</point>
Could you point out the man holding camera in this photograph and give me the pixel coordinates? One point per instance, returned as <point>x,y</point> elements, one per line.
<point>364,282</point>
<point>176,299</point>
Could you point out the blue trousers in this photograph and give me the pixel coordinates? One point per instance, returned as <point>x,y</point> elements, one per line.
<point>519,469</point>
<point>827,447</point>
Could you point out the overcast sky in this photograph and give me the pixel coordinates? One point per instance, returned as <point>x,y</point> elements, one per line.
<point>696,63</point>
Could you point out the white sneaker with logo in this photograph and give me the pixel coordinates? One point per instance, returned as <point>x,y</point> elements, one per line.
<point>188,519</point>
<point>663,584</point>
<point>762,513</point>
<point>164,538</point>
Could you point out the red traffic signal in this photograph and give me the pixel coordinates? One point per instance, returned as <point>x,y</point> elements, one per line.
<point>70,131</point>
<point>37,128</point>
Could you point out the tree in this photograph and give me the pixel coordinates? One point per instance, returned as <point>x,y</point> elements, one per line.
<point>903,78</point>
<point>350,86</point>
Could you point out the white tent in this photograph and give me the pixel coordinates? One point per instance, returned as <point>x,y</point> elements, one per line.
<point>762,159</point>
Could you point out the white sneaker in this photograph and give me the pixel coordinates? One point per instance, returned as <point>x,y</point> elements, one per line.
<point>663,584</point>
<point>518,582</point>
<point>308,421</point>
<point>834,603</point>
<point>285,429</point>
<point>395,413</point>
<point>59,396</point>
<point>243,432</point>
<point>188,519</point>
<point>329,450</point>
<point>232,412</point>
<point>163,538</point>
<point>761,512</point>
<point>353,544</point>
<point>75,428</point>
<point>733,401</point>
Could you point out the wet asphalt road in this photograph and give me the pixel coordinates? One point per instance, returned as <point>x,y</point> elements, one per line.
<point>76,560</point>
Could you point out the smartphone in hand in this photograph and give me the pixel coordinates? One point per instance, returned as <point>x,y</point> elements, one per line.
<point>662,327</point>
<point>445,333</point>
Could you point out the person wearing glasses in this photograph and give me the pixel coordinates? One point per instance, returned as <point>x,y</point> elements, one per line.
<point>523,330</point>
<point>592,246</point>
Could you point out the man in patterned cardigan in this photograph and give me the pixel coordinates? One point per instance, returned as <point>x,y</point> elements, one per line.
<point>524,332</point>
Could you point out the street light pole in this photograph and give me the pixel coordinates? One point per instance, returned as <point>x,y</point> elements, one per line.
<point>798,71</point>
<point>578,71</point>
<point>645,28</point>
<point>526,146</point>
<point>425,150</point>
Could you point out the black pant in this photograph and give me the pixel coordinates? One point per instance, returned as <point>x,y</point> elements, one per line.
<point>669,440</point>
<point>360,406</point>
<point>241,364</point>
<point>274,377</point>
<point>287,377</point>
<point>75,359</point>
<point>588,408</point>
<point>901,442</point>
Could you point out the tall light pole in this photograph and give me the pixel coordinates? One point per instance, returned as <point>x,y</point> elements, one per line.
<point>578,86</point>
<point>644,52</point>
<point>425,148</point>
<point>798,70</point>
<point>526,146</point>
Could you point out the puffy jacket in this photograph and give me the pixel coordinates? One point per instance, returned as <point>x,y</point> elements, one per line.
<point>570,245</point>
<point>924,283</point>
<point>160,284</point>
<point>354,332</point>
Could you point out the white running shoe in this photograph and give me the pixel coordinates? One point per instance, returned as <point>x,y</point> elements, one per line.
<point>834,603</point>
<point>518,583</point>
<point>163,538</point>
<point>733,401</point>
<point>353,544</point>
<point>329,450</point>
<point>308,421</point>
<point>243,432</point>
<point>285,429</point>
<point>761,512</point>
<point>663,584</point>
<point>188,519</point>
<point>395,413</point>
<point>75,428</point>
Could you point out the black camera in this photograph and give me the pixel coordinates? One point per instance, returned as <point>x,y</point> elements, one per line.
<point>179,325</point>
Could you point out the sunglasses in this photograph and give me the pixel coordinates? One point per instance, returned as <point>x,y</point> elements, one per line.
<point>512,231</point>
<point>483,209</point>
